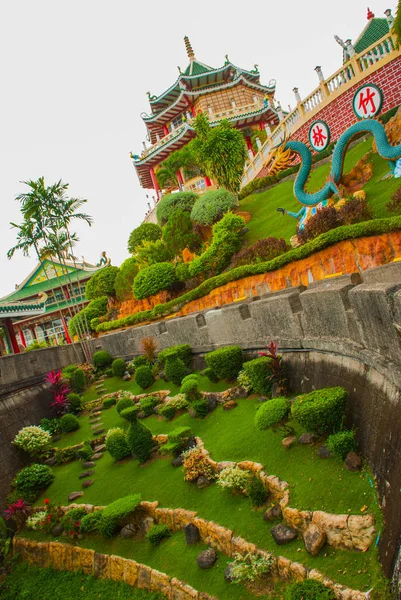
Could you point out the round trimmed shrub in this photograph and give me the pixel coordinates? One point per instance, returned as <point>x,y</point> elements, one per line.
<point>193,376</point>
<point>272,413</point>
<point>175,370</point>
<point>182,351</point>
<point>139,440</point>
<point>258,372</point>
<point>102,359</point>
<point>154,279</point>
<point>321,411</point>
<point>125,279</point>
<point>33,439</point>
<point>190,389</point>
<point>171,202</point>
<point>75,402</point>
<point>147,405</point>
<point>225,362</point>
<point>130,414</point>
<point>211,206</point>
<point>78,381</point>
<point>101,283</point>
<point>91,523</point>
<point>147,232</point>
<point>201,407</point>
<point>308,590</point>
<point>123,404</point>
<point>167,411</point>
<point>140,361</point>
<point>33,478</point>
<point>341,443</point>
<point>69,423</point>
<point>109,402</point>
<point>118,367</point>
<point>211,375</point>
<point>144,377</point>
<point>116,443</point>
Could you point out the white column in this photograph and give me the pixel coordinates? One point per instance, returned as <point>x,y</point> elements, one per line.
<point>297,95</point>
<point>319,72</point>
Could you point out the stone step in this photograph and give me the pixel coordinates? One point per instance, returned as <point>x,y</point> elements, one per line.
<point>100,448</point>
<point>97,456</point>
<point>74,496</point>
<point>96,426</point>
<point>88,464</point>
<point>87,483</point>
<point>99,431</point>
<point>86,474</point>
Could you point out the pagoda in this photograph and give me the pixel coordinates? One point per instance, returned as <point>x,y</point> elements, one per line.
<point>225,93</point>
<point>40,307</point>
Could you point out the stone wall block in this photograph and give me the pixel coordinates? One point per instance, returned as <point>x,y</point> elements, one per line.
<point>101,566</point>
<point>241,546</point>
<point>183,517</point>
<point>160,582</point>
<point>144,576</point>
<point>182,591</point>
<point>297,519</point>
<point>283,567</point>
<point>362,530</point>
<point>150,508</point>
<point>220,537</point>
<point>335,527</point>
<point>131,571</point>
<point>83,560</point>
<point>202,525</point>
<point>298,572</point>
<point>117,567</point>
<point>165,516</point>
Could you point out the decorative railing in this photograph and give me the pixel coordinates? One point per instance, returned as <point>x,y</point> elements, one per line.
<point>163,141</point>
<point>235,111</point>
<point>356,69</point>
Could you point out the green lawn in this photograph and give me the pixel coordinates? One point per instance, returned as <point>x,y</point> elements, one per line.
<point>265,221</point>
<point>315,484</point>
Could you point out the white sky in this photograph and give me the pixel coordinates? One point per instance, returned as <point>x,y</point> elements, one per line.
<point>74,79</point>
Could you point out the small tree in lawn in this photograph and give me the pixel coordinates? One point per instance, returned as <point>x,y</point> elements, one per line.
<point>273,414</point>
<point>221,152</point>
<point>178,233</point>
<point>149,348</point>
<point>277,369</point>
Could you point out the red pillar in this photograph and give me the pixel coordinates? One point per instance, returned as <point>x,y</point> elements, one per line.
<point>154,181</point>
<point>249,144</point>
<point>22,337</point>
<point>66,332</point>
<point>11,335</point>
<point>207,181</point>
<point>165,129</point>
<point>261,126</point>
<point>179,178</point>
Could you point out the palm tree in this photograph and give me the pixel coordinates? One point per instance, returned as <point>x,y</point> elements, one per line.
<point>167,173</point>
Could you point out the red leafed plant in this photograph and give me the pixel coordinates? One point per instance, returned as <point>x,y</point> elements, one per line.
<point>276,367</point>
<point>53,377</point>
<point>60,391</point>
<point>18,511</point>
<point>149,348</point>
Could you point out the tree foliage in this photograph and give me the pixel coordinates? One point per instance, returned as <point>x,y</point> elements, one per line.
<point>396,29</point>
<point>179,233</point>
<point>147,232</point>
<point>169,204</point>
<point>101,283</point>
<point>125,278</point>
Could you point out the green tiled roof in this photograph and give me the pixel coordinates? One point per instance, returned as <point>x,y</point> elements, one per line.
<point>373,32</point>
<point>46,286</point>
<point>21,307</point>
<point>197,68</point>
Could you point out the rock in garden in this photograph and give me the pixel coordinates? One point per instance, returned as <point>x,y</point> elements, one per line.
<point>86,474</point>
<point>128,531</point>
<point>177,461</point>
<point>74,496</point>
<point>88,464</point>
<point>289,441</point>
<point>191,534</point>
<point>323,452</point>
<point>57,530</point>
<point>228,573</point>
<point>273,513</point>
<point>141,415</point>
<point>282,534</point>
<point>307,438</point>
<point>97,456</point>
<point>99,431</point>
<point>100,448</point>
<point>230,405</point>
<point>50,461</point>
<point>146,524</point>
<point>126,377</point>
<point>87,483</point>
<point>353,462</point>
<point>95,426</point>
<point>207,558</point>
<point>211,402</point>
<point>314,539</point>
<point>202,482</point>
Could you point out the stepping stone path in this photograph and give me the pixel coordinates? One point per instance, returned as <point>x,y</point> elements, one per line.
<point>97,456</point>
<point>75,496</point>
<point>86,474</point>
<point>100,448</point>
<point>87,483</point>
<point>99,431</point>
<point>88,464</point>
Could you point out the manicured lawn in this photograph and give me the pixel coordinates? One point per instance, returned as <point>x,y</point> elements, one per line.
<point>265,221</point>
<point>315,484</point>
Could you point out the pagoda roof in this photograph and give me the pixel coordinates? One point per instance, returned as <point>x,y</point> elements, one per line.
<point>375,29</point>
<point>23,309</point>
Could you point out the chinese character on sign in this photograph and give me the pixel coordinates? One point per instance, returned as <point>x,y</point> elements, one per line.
<point>319,136</point>
<point>367,101</point>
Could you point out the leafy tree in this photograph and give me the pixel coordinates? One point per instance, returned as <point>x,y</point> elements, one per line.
<point>102,283</point>
<point>168,204</point>
<point>147,232</point>
<point>179,233</point>
<point>221,151</point>
<point>396,29</point>
<point>153,252</point>
<point>125,278</point>
<point>167,172</point>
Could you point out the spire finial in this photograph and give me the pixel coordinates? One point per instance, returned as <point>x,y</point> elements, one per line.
<point>190,52</point>
<point>370,15</point>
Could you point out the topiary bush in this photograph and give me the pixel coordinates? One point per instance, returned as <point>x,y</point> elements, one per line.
<point>178,233</point>
<point>101,283</point>
<point>182,351</point>
<point>91,523</point>
<point>167,411</point>
<point>256,491</point>
<point>211,375</point>
<point>148,404</point>
<point>258,372</point>
<point>147,232</point>
<point>144,377</point>
<point>183,201</point>
<point>201,408</point>
<point>273,414</point>
<point>154,279</point>
<point>116,443</point>
<point>225,362</point>
<point>321,411</point>
<point>123,404</point>
<point>33,439</point>
<point>341,443</point>
<point>69,423</point>
<point>308,590</point>
<point>75,402</point>
<point>85,453</point>
<point>33,478</point>
<point>117,512</point>
<point>118,367</point>
<point>140,361</point>
<point>157,533</point>
<point>125,279</point>
<point>78,381</point>
<point>102,359</point>
<point>211,206</point>
<point>109,402</point>
<point>261,251</point>
<point>139,438</point>
<point>95,309</point>
<point>175,370</point>
<point>190,388</point>
<point>151,253</point>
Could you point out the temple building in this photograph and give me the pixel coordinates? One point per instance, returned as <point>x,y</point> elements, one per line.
<point>41,306</point>
<point>228,92</point>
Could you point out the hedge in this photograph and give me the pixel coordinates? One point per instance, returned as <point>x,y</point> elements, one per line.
<point>101,283</point>
<point>345,232</point>
<point>321,411</point>
<point>258,371</point>
<point>225,362</point>
<point>153,279</point>
<point>125,279</point>
<point>182,351</point>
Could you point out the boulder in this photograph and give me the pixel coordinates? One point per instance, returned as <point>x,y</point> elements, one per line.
<point>228,573</point>
<point>87,483</point>
<point>177,461</point>
<point>50,461</point>
<point>100,448</point>
<point>97,455</point>
<point>230,405</point>
<point>126,377</point>
<point>191,534</point>
<point>211,401</point>
<point>353,462</point>
<point>273,513</point>
<point>141,415</point>
<point>128,531</point>
<point>207,558</point>
<point>282,534</point>
<point>306,438</point>
<point>88,464</point>
<point>323,452</point>
<point>74,496</point>
<point>146,524</point>
<point>85,474</point>
<point>314,539</point>
<point>289,441</point>
<point>202,482</point>
<point>57,530</point>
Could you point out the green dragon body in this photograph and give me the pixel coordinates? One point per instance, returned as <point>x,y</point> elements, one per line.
<point>386,151</point>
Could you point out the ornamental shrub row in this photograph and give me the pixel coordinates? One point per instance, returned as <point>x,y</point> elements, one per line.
<point>182,351</point>
<point>225,362</point>
<point>345,232</point>
<point>321,411</point>
<point>153,279</point>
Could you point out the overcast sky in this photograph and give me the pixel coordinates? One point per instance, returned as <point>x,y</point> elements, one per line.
<point>74,80</point>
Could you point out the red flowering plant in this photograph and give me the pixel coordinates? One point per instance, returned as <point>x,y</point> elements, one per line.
<point>277,376</point>
<point>60,391</point>
<point>53,514</point>
<point>18,511</point>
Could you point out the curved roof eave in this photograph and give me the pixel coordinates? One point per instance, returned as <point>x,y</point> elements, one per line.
<point>172,141</point>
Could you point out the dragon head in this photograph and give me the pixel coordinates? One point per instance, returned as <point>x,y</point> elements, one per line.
<point>278,159</point>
